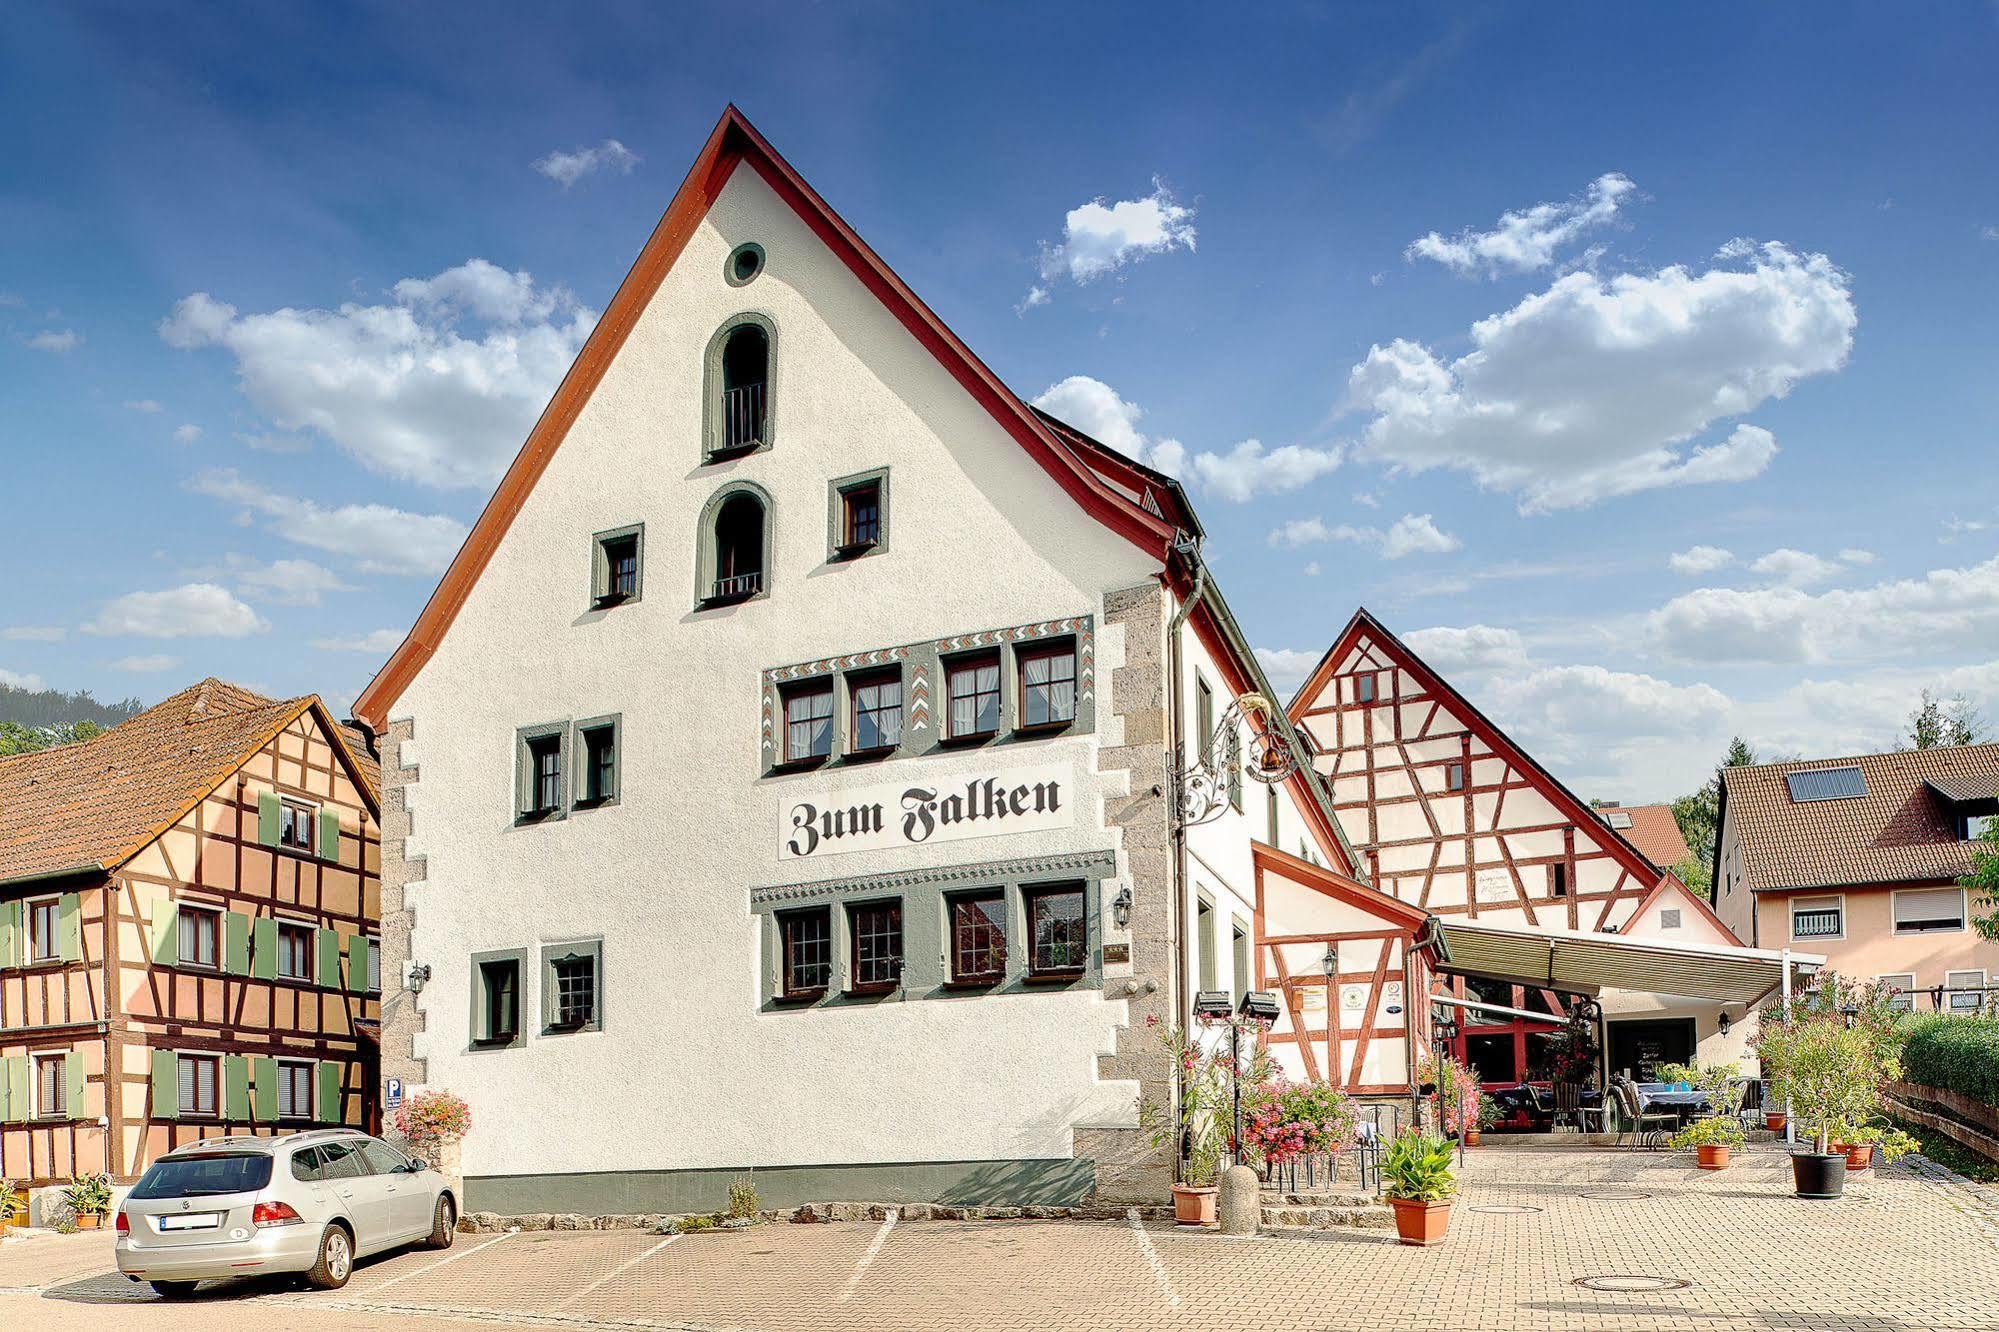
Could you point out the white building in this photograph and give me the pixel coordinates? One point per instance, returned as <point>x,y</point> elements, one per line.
<point>782,774</point>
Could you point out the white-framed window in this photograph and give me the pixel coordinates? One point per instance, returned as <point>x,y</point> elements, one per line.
<point>294,1089</point>
<point>1904,983</point>
<point>1929,911</point>
<point>1964,991</point>
<point>296,821</point>
<point>51,1086</point>
<point>44,929</point>
<point>1818,918</point>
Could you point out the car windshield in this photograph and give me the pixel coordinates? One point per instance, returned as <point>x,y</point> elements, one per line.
<point>204,1176</point>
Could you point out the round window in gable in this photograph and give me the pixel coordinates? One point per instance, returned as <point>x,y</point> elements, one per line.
<point>745,262</point>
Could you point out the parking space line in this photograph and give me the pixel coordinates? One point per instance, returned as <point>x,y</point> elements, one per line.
<point>1152,1258</point>
<point>442,1262</point>
<point>617,1272</point>
<point>868,1258</point>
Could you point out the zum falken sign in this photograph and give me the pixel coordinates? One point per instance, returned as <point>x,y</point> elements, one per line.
<point>914,813</point>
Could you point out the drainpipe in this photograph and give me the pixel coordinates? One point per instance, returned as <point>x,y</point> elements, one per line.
<point>1189,549</point>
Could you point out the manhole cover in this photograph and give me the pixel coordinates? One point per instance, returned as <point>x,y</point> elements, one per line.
<point>1632,1284</point>
<point>1616,1195</point>
<point>1505,1209</point>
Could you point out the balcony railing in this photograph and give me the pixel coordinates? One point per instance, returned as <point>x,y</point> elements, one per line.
<point>743,417</point>
<point>738,587</point>
<point>1815,924</point>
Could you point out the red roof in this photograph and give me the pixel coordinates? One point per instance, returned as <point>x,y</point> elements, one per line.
<point>1653,830</point>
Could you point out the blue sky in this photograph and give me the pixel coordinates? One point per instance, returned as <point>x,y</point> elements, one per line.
<point>1720,292</point>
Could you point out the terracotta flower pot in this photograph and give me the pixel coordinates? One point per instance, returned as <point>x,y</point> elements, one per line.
<point>1194,1206</point>
<point>1774,1122</point>
<point>1712,1155</point>
<point>1424,1224</point>
<point>1471,1137</point>
<point>1859,1156</point>
<point>88,1220</point>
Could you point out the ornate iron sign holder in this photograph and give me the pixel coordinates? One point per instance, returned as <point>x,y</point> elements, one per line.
<point>1203,790</point>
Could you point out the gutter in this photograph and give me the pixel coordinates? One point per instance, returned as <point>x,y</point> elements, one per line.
<point>88,867</point>
<point>1189,549</point>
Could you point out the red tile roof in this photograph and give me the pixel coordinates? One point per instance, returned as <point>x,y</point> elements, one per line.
<point>91,806</point>
<point>1901,830</point>
<point>1654,831</point>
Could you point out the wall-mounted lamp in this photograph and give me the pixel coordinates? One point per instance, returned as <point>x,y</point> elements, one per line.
<point>419,973</point>
<point>1121,906</point>
<point>1724,1022</point>
<point>1331,962</point>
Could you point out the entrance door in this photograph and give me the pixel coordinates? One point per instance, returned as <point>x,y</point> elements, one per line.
<point>1642,1045</point>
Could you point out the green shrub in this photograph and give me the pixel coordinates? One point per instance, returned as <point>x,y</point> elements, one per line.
<point>1959,1054</point>
<point>1418,1166</point>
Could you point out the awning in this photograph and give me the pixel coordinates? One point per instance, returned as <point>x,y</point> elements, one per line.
<point>1588,963</point>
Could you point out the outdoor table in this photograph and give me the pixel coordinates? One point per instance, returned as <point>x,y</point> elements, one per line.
<point>1661,1095</point>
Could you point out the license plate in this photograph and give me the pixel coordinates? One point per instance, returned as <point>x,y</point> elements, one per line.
<point>192,1221</point>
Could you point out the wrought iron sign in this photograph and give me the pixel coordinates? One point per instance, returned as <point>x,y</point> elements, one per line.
<point>1204,790</point>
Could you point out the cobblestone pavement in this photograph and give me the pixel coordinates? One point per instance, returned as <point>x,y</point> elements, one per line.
<point>1909,1248</point>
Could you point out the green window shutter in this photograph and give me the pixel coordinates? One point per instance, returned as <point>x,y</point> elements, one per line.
<point>69,928</point>
<point>14,1088</point>
<point>264,948</point>
<point>10,933</point>
<point>236,1089</point>
<point>329,1092</point>
<point>329,834</point>
<point>357,962</point>
<point>166,1085</point>
<point>73,1083</point>
<point>166,938</point>
<point>267,817</point>
<point>329,958</point>
<point>264,1071</point>
<point>236,943</point>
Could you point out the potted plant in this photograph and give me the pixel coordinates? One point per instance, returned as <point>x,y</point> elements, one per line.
<point>1286,1120</point>
<point>1831,1068</point>
<point>13,1205</point>
<point>89,1197</point>
<point>1712,1139</point>
<point>1861,1142</point>
<point>1774,1120</point>
<point>1197,1124</point>
<point>1417,1170</point>
<point>1718,1132</point>
<point>433,1123</point>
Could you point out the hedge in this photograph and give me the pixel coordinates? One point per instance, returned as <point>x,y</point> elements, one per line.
<point>1959,1054</point>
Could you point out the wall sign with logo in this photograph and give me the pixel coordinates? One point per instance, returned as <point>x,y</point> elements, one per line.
<point>914,813</point>
<point>1391,998</point>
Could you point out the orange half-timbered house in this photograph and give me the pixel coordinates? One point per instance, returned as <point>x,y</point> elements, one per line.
<point>188,926</point>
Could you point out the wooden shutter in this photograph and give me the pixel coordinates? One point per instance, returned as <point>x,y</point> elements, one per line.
<point>11,945</point>
<point>268,806</point>
<point>236,943</point>
<point>236,1089</point>
<point>166,1085</point>
<point>14,1088</point>
<point>329,1092</point>
<point>166,932</point>
<point>73,1084</point>
<point>329,834</point>
<point>264,948</point>
<point>69,928</point>
<point>264,1072</point>
<point>329,958</point>
<point>357,962</point>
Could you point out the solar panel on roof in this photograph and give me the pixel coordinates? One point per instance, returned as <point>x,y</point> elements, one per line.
<point>1826,784</point>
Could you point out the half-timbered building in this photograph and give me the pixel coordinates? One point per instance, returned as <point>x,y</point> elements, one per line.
<point>188,907</point>
<point>1460,822</point>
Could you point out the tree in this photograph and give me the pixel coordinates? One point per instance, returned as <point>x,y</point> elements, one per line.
<point>1699,816</point>
<point>1983,881</point>
<point>1935,723</point>
<point>18,739</point>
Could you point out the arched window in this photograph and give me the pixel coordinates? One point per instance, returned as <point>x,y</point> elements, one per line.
<point>739,387</point>
<point>735,546</point>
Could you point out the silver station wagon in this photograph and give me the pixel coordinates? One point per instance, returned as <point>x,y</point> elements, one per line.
<point>311,1203</point>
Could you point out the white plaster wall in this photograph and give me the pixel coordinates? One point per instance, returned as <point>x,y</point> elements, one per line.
<point>686,1072</point>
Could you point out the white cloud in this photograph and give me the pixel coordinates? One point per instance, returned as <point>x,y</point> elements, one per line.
<point>377,538</point>
<point>56,340</point>
<point>187,434</point>
<point>1572,716</point>
<point>378,641</point>
<point>1595,388</point>
<point>407,388</point>
<point>1250,469</point>
<point>1472,648</point>
<point>1094,407</point>
<point>34,633</point>
<point>289,582</point>
<point>144,405</point>
<point>146,663</point>
<point>1943,611</point>
<point>1312,570</point>
<point>1852,555</point>
<point>1990,233</point>
<point>1286,667</point>
<point>1367,499</point>
<point>1099,238</point>
<point>20,680</point>
<point>1698,560</point>
<point>1411,534</point>
<point>1035,296</point>
<point>193,610</point>
<point>1526,240</point>
<point>1795,567</point>
<point>570,167</point>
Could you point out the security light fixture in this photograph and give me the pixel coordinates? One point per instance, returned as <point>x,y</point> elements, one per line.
<point>1213,1004</point>
<point>1121,906</point>
<point>1259,1005</point>
<point>1331,961</point>
<point>1724,1022</point>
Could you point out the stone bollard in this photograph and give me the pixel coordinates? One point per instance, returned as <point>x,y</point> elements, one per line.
<point>1240,1205</point>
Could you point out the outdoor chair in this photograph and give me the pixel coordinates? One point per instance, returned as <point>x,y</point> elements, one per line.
<point>1635,1118</point>
<point>1569,1106</point>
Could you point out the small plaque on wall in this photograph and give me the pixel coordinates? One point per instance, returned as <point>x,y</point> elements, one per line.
<point>1115,953</point>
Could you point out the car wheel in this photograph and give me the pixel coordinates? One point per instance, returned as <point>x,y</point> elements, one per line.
<point>336,1260</point>
<point>173,1290</point>
<point>443,1225</point>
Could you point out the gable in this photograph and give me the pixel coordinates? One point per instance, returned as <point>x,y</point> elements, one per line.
<point>1672,900</point>
<point>734,145</point>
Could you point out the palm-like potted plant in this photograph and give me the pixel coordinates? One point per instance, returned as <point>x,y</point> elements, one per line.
<point>1832,1070</point>
<point>1196,1124</point>
<point>1421,1186</point>
<point>89,1197</point>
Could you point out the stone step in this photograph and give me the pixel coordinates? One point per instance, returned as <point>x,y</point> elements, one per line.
<point>1373,1216</point>
<point>1318,1198</point>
